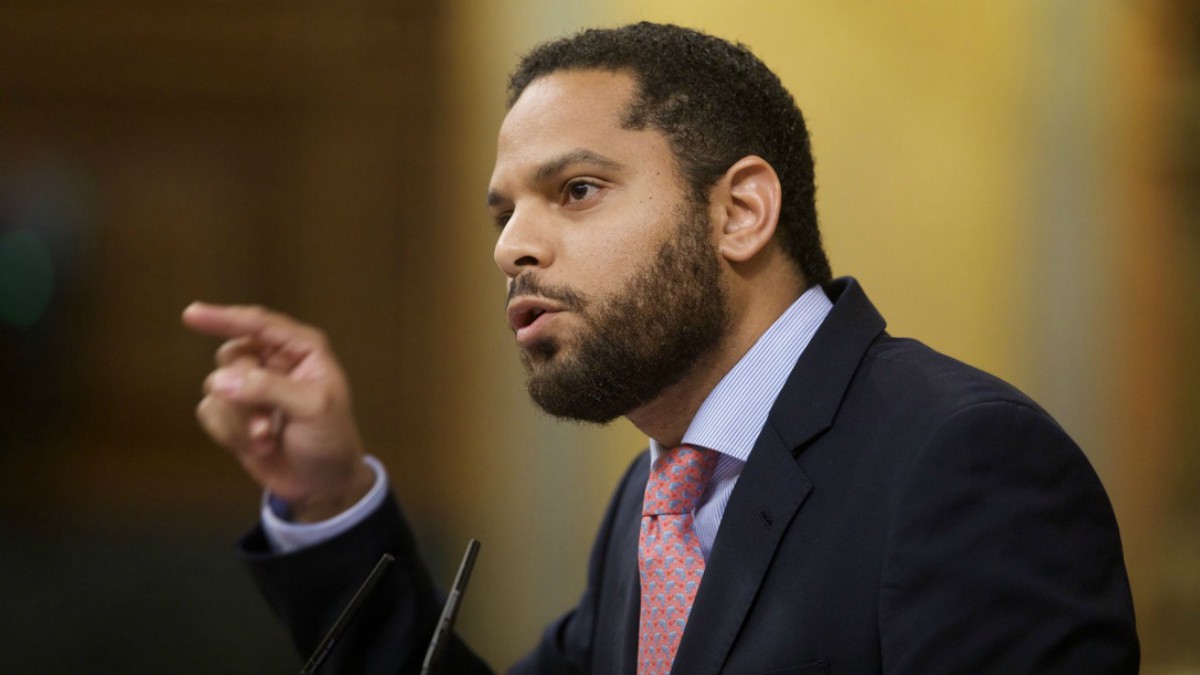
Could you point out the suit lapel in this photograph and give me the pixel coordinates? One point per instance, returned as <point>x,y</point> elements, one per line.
<point>772,486</point>
<point>629,586</point>
<point>768,494</point>
<point>616,629</point>
<point>633,619</point>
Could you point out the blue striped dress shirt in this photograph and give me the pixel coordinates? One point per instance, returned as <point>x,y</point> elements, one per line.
<point>732,416</point>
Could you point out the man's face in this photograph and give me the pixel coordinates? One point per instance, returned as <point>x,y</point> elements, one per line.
<point>614,285</point>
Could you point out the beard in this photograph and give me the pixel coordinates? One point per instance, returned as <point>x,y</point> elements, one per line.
<point>668,316</point>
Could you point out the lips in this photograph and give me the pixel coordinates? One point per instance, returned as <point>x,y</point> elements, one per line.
<point>527,315</point>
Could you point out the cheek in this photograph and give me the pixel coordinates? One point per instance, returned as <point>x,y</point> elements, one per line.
<point>602,254</point>
<point>600,274</point>
<point>637,233</point>
<point>607,278</point>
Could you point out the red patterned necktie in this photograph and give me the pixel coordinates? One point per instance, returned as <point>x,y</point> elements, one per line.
<point>669,556</point>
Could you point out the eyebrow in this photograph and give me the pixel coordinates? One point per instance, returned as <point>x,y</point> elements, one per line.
<point>549,168</point>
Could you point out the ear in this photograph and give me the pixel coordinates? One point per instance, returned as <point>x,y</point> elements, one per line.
<point>749,196</point>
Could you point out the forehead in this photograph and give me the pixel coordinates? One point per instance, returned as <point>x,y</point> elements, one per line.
<point>566,112</point>
<point>568,98</point>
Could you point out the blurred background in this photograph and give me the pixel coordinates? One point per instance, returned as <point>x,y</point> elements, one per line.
<point>1014,182</point>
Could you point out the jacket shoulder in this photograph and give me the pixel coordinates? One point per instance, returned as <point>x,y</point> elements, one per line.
<point>922,378</point>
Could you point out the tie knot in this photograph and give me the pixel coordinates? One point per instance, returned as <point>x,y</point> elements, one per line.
<point>677,480</point>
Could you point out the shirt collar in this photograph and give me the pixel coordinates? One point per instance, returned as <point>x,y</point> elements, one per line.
<point>734,413</point>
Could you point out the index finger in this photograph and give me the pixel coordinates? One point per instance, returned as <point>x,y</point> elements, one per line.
<point>233,321</point>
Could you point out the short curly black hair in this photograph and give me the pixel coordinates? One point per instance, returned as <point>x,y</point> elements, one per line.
<point>716,103</point>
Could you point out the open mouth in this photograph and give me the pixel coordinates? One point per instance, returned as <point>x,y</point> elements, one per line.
<point>526,319</point>
<point>529,317</point>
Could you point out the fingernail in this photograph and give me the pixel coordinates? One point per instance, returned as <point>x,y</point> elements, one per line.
<point>228,383</point>
<point>260,427</point>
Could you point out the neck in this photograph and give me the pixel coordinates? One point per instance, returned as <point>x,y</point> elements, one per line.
<point>667,417</point>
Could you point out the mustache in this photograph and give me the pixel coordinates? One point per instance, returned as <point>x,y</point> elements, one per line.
<point>528,284</point>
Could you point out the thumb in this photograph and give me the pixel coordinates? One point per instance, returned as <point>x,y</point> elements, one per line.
<point>262,388</point>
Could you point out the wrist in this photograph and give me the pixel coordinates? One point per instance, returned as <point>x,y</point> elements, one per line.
<point>286,535</point>
<point>332,502</point>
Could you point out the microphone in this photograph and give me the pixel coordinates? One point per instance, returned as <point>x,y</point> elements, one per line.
<point>441,634</point>
<point>347,616</point>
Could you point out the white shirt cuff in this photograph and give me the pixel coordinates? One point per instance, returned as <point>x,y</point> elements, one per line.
<point>287,537</point>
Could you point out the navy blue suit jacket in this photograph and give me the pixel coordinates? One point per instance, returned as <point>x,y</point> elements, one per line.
<point>901,512</point>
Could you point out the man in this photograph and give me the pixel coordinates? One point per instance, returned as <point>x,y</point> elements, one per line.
<point>853,502</point>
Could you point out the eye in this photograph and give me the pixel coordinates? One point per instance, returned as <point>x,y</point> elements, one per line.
<point>580,189</point>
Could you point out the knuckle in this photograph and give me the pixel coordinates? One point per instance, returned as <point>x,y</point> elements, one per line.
<point>254,382</point>
<point>210,419</point>
<point>319,338</point>
<point>228,351</point>
<point>207,387</point>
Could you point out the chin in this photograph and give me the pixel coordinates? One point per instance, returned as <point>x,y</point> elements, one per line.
<point>539,353</point>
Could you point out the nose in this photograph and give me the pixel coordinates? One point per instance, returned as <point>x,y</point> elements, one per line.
<point>522,245</point>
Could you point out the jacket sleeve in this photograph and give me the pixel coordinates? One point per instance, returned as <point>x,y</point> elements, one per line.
<point>309,588</point>
<point>1004,555</point>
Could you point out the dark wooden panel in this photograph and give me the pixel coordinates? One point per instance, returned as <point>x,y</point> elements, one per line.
<point>233,151</point>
